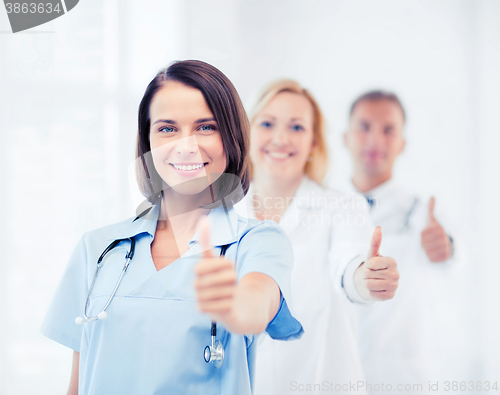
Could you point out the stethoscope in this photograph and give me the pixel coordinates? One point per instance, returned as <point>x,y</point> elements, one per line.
<point>213,353</point>
<point>102,315</point>
<point>406,220</point>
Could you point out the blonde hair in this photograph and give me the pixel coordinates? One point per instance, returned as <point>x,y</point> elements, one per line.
<point>315,168</point>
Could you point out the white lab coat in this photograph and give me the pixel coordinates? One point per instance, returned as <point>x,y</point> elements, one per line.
<point>327,354</point>
<point>397,338</point>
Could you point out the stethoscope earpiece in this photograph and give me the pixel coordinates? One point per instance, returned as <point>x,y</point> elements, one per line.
<point>102,315</point>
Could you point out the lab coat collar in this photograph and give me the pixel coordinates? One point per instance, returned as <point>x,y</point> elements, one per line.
<point>304,199</point>
<point>223,221</point>
<point>305,195</point>
<point>308,194</point>
<point>383,189</point>
<point>393,205</point>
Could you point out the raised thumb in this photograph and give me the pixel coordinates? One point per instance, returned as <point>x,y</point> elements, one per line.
<point>430,214</point>
<point>375,243</point>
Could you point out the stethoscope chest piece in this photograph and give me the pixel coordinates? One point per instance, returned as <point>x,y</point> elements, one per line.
<point>214,353</point>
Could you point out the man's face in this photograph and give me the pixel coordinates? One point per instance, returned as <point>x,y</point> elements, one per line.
<point>375,136</point>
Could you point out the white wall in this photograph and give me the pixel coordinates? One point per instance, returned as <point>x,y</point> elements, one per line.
<point>69,92</point>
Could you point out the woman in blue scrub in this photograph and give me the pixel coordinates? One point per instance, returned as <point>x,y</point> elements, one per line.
<point>192,166</point>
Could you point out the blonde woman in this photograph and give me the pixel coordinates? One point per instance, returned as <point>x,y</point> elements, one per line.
<point>330,234</point>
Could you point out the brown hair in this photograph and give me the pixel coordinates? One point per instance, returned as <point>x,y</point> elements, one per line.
<point>224,103</point>
<point>378,95</point>
<point>317,167</point>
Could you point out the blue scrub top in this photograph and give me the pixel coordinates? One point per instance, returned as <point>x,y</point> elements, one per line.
<point>153,339</point>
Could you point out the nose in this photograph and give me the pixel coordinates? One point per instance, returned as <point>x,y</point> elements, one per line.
<point>375,137</point>
<point>280,136</point>
<point>186,146</point>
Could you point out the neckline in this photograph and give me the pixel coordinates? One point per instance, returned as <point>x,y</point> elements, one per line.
<point>150,256</point>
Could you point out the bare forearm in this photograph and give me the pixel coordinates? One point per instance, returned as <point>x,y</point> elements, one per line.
<point>73,383</point>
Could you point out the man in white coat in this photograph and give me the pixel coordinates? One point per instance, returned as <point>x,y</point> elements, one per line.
<point>395,337</point>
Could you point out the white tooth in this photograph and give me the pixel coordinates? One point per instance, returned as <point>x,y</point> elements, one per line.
<point>188,167</point>
<point>279,155</point>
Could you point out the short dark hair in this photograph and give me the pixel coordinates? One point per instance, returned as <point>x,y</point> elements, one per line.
<point>225,104</point>
<point>377,95</point>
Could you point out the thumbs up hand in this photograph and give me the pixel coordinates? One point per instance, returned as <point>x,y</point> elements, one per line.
<point>215,282</point>
<point>434,240</point>
<point>378,277</point>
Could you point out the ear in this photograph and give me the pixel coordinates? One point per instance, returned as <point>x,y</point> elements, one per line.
<point>313,147</point>
<point>403,144</point>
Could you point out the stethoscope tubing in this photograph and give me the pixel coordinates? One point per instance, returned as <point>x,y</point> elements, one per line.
<point>213,353</point>
<point>128,258</point>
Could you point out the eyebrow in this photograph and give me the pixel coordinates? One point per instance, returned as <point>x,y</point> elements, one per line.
<point>203,120</point>
<point>389,124</point>
<point>266,116</point>
<point>172,122</point>
<point>292,119</point>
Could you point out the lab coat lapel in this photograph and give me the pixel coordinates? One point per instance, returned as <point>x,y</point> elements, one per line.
<point>294,212</point>
<point>296,209</point>
<point>392,206</point>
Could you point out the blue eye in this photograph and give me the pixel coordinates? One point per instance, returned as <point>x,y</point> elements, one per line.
<point>266,124</point>
<point>206,128</point>
<point>297,128</point>
<point>166,129</point>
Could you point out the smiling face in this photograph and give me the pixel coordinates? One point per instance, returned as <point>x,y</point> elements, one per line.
<point>186,145</point>
<point>375,137</point>
<point>282,136</point>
